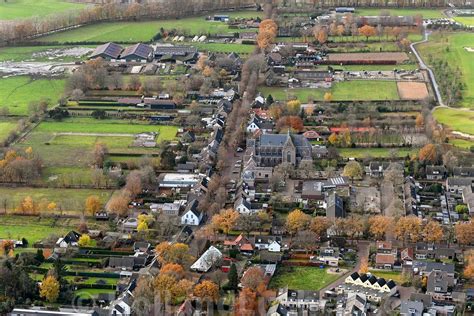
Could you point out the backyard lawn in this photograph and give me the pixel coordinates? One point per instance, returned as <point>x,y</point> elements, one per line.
<point>21,9</point>
<point>16,93</point>
<point>461,120</point>
<point>387,275</point>
<point>451,47</point>
<point>132,32</point>
<point>427,13</point>
<point>302,278</point>
<point>342,91</point>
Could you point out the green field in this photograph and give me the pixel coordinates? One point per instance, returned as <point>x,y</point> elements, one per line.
<point>451,48</point>
<point>16,93</point>
<point>302,278</point>
<point>132,32</point>
<point>91,293</point>
<point>69,200</point>
<point>465,20</point>
<point>90,125</point>
<point>224,48</point>
<point>427,13</point>
<point>5,128</point>
<point>462,143</point>
<point>461,120</point>
<point>374,152</point>
<point>35,228</point>
<point>21,9</point>
<point>342,91</point>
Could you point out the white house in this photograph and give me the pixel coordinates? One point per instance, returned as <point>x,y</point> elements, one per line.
<point>207,260</point>
<point>243,206</point>
<point>191,215</point>
<point>270,243</point>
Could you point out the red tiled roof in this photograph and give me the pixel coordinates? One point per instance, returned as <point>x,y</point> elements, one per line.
<point>383,258</point>
<point>246,247</point>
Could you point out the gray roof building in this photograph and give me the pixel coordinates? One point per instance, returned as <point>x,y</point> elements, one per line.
<point>107,51</point>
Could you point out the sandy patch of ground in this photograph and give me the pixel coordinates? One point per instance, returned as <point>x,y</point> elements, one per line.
<point>412,90</point>
<point>372,57</point>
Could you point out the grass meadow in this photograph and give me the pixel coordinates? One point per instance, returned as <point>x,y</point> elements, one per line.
<point>362,90</point>
<point>451,48</point>
<point>16,93</point>
<point>465,20</point>
<point>375,152</point>
<point>460,120</point>
<point>131,32</point>
<point>426,13</point>
<point>67,200</point>
<point>22,9</point>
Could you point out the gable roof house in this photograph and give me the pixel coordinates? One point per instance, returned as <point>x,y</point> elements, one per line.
<point>377,169</point>
<point>270,243</point>
<point>211,257</point>
<point>108,51</point>
<point>435,172</point>
<point>139,53</point>
<point>241,243</point>
<point>71,239</point>
<point>464,172</point>
<point>192,216</point>
<point>257,124</point>
<point>384,260</point>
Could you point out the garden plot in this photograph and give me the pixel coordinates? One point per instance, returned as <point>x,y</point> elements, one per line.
<point>412,90</point>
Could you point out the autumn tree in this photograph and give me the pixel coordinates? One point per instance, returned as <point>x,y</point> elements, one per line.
<point>267,32</point>
<point>353,170</point>
<point>420,120</point>
<point>408,228</point>
<point>297,221</point>
<point>333,139</point>
<point>319,225</point>
<point>253,278</point>
<point>207,291</point>
<point>464,232</point>
<point>328,97</point>
<point>293,107</point>
<point>118,204</point>
<point>246,303</point>
<point>468,271</point>
<point>173,253</point>
<point>144,296</point>
<point>428,153</point>
<point>84,241</point>
<point>367,31</point>
<point>364,265</point>
<point>378,226</point>
<point>100,152</point>
<point>225,220</point>
<point>433,232</point>
<point>174,269</point>
<point>93,204</point>
<point>163,283</point>
<point>27,206</point>
<point>49,289</point>
<point>293,122</point>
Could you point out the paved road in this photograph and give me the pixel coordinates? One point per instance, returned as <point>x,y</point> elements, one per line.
<point>362,251</point>
<point>425,67</point>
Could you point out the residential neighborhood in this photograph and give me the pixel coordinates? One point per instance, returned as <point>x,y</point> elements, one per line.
<point>279,158</point>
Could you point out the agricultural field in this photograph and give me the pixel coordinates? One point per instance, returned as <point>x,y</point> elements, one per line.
<point>461,120</point>
<point>5,128</point>
<point>302,278</point>
<point>22,9</point>
<point>16,93</point>
<point>66,147</point>
<point>454,48</point>
<point>426,13</point>
<point>375,152</point>
<point>67,200</point>
<point>342,91</point>
<point>132,32</point>
<point>462,143</point>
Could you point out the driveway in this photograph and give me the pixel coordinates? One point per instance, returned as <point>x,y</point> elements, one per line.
<point>363,247</point>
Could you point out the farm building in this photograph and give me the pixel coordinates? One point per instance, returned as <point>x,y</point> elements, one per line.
<point>182,53</point>
<point>108,51</point>
<point>138,52</point>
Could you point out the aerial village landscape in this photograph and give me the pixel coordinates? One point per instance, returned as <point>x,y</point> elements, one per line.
<point>237,157</point>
